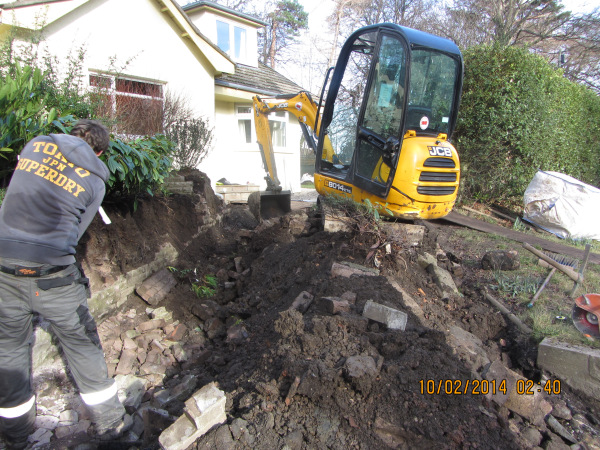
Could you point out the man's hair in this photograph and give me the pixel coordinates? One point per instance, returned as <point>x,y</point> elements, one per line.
<point>92,132</point>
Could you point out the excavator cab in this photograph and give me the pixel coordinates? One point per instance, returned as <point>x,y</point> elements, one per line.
<point>389,113</point>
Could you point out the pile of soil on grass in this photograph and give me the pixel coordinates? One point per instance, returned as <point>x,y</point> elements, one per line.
<point>313,377</point>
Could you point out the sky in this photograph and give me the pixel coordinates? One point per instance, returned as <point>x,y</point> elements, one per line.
<point>317,41</point>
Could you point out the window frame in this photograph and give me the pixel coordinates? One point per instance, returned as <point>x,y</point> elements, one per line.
<point>109,84</point>
<point>238,51</point>
<point>276,116</point>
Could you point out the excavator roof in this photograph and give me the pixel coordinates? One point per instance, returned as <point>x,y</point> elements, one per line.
<point>420,38</point>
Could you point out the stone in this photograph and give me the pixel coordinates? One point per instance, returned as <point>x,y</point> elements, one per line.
<point>334,305</point>
<point>404,233</point>
<point>162,313</point>
<point>360,366</point>
<point>560,430</point>
<point>131,390</point>
<point>238,427</point>
<point>302,302</point>
<point>390,317</point>
<point>350,297</point>
<point>468,347</point>
<point>409,301</point>
<point>532,436</point>
<point>178,333</point>
<point>347,269</point>
<point>126,362</point>
<point>223,438</point>
<point>156,288</point>
<point>501,260</point>
<point>46,421</point>
<point>150,325</point>
<point>68,417</point>
<point>236,333</point>
<point>532,407</point>
<point>204,410</point>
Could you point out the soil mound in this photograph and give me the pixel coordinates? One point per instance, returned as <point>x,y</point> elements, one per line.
<point>283,335</point>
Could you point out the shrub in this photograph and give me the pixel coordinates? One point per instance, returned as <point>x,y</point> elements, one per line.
<point>139,166</point>
<point>23,112</point>
<point>193,140</point>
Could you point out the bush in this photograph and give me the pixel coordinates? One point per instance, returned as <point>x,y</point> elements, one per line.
<point>139,166</point>
<point>518,115</point>
<point>193,140</point>
<point>23,112</point>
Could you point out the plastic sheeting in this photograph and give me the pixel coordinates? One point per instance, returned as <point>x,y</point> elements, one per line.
<point>563,206</point>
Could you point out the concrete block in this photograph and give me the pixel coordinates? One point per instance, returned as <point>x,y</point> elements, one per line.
<point>576,365</point>
<point>404,233</point>
<point>390,317</point>
<point>205,409</point>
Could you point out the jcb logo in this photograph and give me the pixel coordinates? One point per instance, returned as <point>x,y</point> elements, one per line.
<point>440,151</point>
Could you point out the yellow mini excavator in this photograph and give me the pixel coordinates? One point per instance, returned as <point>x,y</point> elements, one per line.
<point>383,133</point>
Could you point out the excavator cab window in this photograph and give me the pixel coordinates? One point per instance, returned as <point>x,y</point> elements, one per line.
<point>368,110</point>
<point>432,90</point>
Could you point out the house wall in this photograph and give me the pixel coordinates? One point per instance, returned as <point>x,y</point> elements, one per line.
<point>145,42</point>
<point>241,163</point>
<point>148,46</point>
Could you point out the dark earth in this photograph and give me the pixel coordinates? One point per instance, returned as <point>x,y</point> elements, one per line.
<point>286,373</point>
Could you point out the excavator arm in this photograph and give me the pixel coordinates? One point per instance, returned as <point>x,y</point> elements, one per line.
<point>302,106</point>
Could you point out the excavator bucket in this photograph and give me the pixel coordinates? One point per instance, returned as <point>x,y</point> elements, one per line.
<point>268,204</point>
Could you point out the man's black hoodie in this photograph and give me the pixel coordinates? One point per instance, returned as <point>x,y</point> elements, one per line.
<point>53,195</point>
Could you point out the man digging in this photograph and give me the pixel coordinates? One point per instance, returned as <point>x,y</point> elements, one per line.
<point>55,192</point>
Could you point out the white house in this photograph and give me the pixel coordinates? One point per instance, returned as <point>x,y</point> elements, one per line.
<point>204,52</point>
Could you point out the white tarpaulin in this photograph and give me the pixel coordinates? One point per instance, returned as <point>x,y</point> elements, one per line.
<point>563,205</point>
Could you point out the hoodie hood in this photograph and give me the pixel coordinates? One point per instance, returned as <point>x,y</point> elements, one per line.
<point>78,152</point>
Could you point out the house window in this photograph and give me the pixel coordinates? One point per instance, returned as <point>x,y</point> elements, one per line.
<point>232,40</point>
<point>244,116</point>
<point>247,133</point>
<point>135,105</point>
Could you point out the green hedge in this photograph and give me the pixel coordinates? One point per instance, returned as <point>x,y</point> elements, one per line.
<point>519,114</point>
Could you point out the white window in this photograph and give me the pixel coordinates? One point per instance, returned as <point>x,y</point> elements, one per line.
<point>232,40</point>
<point>135,105</point>
<point>245,125</point>
<point>247,133</point>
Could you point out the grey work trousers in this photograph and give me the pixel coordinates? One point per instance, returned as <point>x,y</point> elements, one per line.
<point>65,308</point>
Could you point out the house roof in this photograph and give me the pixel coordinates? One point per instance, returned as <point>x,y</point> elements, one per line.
<point>199,5</point>
<point>260,80</point>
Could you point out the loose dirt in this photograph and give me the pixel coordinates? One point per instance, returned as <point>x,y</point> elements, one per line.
<point>312,379</point>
